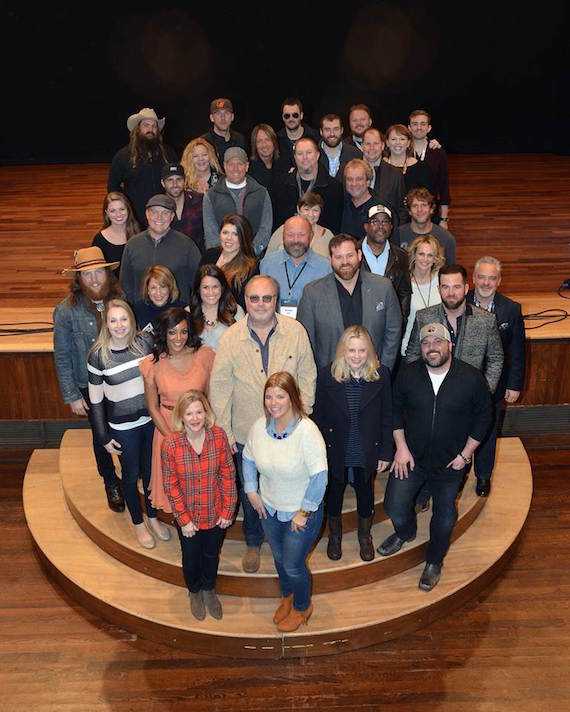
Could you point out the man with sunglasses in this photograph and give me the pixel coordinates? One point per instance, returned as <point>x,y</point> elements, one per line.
<point>294,129</point>
<point>248,353</point>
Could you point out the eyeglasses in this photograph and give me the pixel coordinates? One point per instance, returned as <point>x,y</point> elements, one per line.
<point>375,221</point>
<point>294,115</point>
<point>256,298</point>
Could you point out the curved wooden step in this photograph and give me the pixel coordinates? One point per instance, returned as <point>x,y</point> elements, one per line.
<point>113,533</point>
<point>343,620</point>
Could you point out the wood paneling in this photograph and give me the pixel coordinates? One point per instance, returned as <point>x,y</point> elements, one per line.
<point>506,649</point>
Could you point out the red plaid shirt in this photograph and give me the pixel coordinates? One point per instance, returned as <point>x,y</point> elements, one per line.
<point>200,488</point>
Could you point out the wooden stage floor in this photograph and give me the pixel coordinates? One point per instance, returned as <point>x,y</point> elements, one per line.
<point>514,207</point>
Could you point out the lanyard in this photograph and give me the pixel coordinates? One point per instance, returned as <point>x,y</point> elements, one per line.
<point>296,278</point>
<point>311,184</point>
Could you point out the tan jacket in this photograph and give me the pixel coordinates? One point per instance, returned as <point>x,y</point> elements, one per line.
<point>238,378</point>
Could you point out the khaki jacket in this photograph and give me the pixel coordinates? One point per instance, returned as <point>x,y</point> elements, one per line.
<point>238,378</point>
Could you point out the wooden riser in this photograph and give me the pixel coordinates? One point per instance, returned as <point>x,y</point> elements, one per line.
<point>341,621</point>
<point>113,533</point>
<point>349,513</point>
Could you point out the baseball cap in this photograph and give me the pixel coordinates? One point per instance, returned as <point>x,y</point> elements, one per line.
<point>436,330</point>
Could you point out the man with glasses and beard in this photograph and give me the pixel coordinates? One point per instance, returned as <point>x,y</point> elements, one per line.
<point>136,169</point>
<point>77,322</point>
<point>294,128</point>
<point>248,353</point>
<point>441,410</point>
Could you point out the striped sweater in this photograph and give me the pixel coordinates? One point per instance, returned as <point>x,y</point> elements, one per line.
<point>116,391</point>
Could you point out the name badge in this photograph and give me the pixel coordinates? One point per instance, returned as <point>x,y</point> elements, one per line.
<point>288,307</point>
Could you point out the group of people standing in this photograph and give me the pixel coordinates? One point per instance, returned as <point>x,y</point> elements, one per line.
<point>215,375</point>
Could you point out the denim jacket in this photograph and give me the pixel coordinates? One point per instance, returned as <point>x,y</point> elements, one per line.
<point>75,331</point>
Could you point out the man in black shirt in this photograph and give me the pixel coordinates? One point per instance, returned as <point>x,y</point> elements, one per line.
<point>220,135</point>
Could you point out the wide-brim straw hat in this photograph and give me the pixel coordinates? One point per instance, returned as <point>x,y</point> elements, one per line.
<point>89,258</point>
<point>134,119</point>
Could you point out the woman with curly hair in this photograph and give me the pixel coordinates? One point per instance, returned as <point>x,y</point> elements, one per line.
<point>178,363</point>
<point>200,165</point>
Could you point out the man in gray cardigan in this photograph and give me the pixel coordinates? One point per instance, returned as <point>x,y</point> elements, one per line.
<point>474,333</point>
<point>350,296</point>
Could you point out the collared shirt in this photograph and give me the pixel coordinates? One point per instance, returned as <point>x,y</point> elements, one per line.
<point>201,488</point>
<point>490,307</point>
<point>350,304</point>
<point>315,489</point>
<point>191,222</point>
<point>293,278</point>
<point>333,161</point>
<point>264,347</point>
<point>377,263</point>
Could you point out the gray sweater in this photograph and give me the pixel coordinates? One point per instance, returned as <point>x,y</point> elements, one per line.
<point>174,250</point>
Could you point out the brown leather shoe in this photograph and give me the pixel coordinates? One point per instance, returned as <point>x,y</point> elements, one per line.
<point>294,619</point>
<point>251,560</point>
<point>283,609</point>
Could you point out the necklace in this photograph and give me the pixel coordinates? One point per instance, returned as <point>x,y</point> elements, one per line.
<point>99,305</point>
<point>426,304</point>
<point>210,322</point>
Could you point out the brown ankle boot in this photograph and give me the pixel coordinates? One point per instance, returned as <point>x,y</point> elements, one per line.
<point>334,550</point>
<point>283,609</point>
<point>364,538</point>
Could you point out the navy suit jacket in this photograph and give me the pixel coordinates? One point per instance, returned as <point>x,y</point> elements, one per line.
<point>512,333</point>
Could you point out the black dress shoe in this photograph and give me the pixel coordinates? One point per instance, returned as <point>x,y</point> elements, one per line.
<point>392,544</point>
<point>115,498</point>
<point>483,487</point>
<point>430,577</point>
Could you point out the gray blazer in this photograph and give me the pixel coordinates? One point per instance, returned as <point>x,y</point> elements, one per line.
<point>319,312</point>
<point>478,342</point>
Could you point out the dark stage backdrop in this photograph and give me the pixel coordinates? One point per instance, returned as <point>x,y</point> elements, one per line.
<point>493,75</point>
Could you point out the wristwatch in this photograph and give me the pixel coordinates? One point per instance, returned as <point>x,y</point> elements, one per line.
<point>304,513</point>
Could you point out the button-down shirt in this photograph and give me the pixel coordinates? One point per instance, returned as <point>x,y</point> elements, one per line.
<point>201,488</point>
<point>292,278</point>
<point>350,304</point>
<point>377,263</point>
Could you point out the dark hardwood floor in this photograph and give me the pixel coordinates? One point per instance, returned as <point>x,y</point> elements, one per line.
<point>509,649</point>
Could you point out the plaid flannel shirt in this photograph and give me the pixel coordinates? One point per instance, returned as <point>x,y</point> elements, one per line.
<point>200,488</point>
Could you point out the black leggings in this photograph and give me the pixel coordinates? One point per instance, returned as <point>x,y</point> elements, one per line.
<point>364,494</point>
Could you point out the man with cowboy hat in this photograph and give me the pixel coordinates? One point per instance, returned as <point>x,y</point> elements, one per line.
<point>136,169</point>
<point>77,321</point>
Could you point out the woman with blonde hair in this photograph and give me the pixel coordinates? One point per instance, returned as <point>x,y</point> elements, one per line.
<point>121,419</point>
<point>235,255</point>
<point>288,451</point>
<point>159,292</point>
<point>119,225</point>
<point>199,480</point>
<point>353,409</point>
<point>425,259</point>
<point>200,165</point>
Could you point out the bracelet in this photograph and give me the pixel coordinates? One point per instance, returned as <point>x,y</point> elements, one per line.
<point>304,513</point>
<point>465,459</point>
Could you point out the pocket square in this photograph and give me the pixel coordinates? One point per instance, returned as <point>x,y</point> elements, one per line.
<point>504,326</point>
<point>380,306</point>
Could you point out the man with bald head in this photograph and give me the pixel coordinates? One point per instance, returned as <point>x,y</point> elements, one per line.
<point>248,353</point>
<point>295,265</point>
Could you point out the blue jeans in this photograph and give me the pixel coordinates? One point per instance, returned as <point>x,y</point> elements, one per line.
<point>290,550</point>
<point>104,460</point>
<point>399,506</point>
<point>135,459</point>
<point>252,529</point>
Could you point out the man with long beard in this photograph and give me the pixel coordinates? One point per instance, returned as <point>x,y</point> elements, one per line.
<point>77,321</point>
<point>136,169</point>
